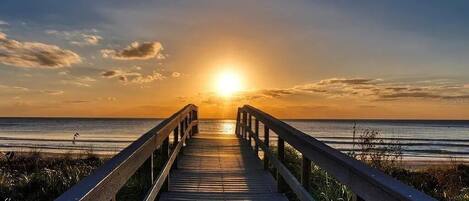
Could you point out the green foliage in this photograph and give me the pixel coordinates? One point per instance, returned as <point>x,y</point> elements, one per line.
<point>324,187</point>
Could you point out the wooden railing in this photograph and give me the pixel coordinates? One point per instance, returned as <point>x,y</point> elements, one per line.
<point>366,182</point>
<point>106,181</point>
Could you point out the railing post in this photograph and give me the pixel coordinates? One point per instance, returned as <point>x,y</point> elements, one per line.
<point>281,158</point>
<point>266,143</point>
<point>196,117</point>
<point>237,122</point>
<point>184,127</point>
<point>250,130</point>
<point>165,156</point>
<point>306,172</point>
<point>175,143</point>
<point>145,173</point>
<point>244,124</point>
<point>186,119</point>
<point>256,135</point>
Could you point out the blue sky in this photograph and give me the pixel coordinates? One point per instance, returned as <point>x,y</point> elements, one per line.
<point>277,46</point>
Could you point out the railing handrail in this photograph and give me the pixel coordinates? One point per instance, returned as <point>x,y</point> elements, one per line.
<point>107,180</point>
<point>367,182</point>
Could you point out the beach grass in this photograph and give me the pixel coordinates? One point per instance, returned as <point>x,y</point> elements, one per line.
<point>41,177</point>
<point>445,183</point>
<point>32,176</point>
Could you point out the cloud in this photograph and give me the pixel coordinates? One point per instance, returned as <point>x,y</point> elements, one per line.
<point>352,81</point>
<point>84,37</point>
<point>175,74</point>
<point>87,40</point>
<point>76,83</point>
<point>13,88</point>
<point>53,92</point>
<point>132,77</point>
<point>365,89</point>
<point>274,93</point>
<point>136,50</point>
<point>75,101</point>
<point>3,23</point>
<point>34,54</point>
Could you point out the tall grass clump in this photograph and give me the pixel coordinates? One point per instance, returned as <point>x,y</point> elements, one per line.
<point>324,187</point>
<point>32,177</point>
<point>450,183</point>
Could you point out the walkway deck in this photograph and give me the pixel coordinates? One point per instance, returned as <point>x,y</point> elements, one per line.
<point>220,167</point>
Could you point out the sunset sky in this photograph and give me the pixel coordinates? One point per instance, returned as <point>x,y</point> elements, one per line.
<point>294,59</point>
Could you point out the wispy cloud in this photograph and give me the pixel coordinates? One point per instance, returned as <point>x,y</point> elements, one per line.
<point>3,22</point>
<point>132,77</point>
<point>78,37</point>
<point>13,88</point>
<point>34,54</point>
<point>356,88</point>
<point>136,50</point>
<point>175,74</point>
<point>53,92</point>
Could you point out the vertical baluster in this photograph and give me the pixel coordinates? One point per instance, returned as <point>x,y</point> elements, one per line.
<point>244,124</point>
<point>181,130</point>
<point>165,156</point>
<point>184,123</point>
<point>281,158</point>
<point>306,169</point>
<point>175,143</point>
<point>266,143</point>
<point>250,130</point>
<point>237,123</point>
<point>145,173</point>
<point>188,125</point>
<point>196,117</point>
<point>256,135</point>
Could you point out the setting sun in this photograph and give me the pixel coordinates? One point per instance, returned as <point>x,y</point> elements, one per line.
<point>228,83</point>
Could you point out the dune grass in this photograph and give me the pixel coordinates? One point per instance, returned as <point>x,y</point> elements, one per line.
<point>33,177</point>
<point>447,183</point>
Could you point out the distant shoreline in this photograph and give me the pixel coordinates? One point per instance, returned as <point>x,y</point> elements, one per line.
<point>233,119</point>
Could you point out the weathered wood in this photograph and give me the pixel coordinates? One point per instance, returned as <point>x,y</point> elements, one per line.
<point>175,142</point>
<point>281,157</point>
<point>244,123</point>
<point>305,172</point>
<point>164,157</point>
<point>250,129</point>
<point>220,167</point>
<point>367,182</point>
<point>256,133</point>
<point>162,182</point>
<point>106,181</point>
<point>266,144</point>
<point>289,178</point>
<point>238,120</point>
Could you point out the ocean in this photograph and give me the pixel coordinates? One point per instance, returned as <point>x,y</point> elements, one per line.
<point>419,139</point>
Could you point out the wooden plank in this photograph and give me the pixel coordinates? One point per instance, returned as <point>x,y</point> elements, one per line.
<point>222,166</point>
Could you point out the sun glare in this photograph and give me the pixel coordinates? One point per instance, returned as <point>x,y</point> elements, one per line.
<point>228,83</point>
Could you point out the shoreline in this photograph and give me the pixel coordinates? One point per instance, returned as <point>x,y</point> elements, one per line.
<point>410,164</point>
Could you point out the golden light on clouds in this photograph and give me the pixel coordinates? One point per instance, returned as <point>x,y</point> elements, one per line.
<point>228,82</point>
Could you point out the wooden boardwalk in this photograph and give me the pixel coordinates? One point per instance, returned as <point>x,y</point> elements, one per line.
<point>224,167</point>
<point>220,167</point>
